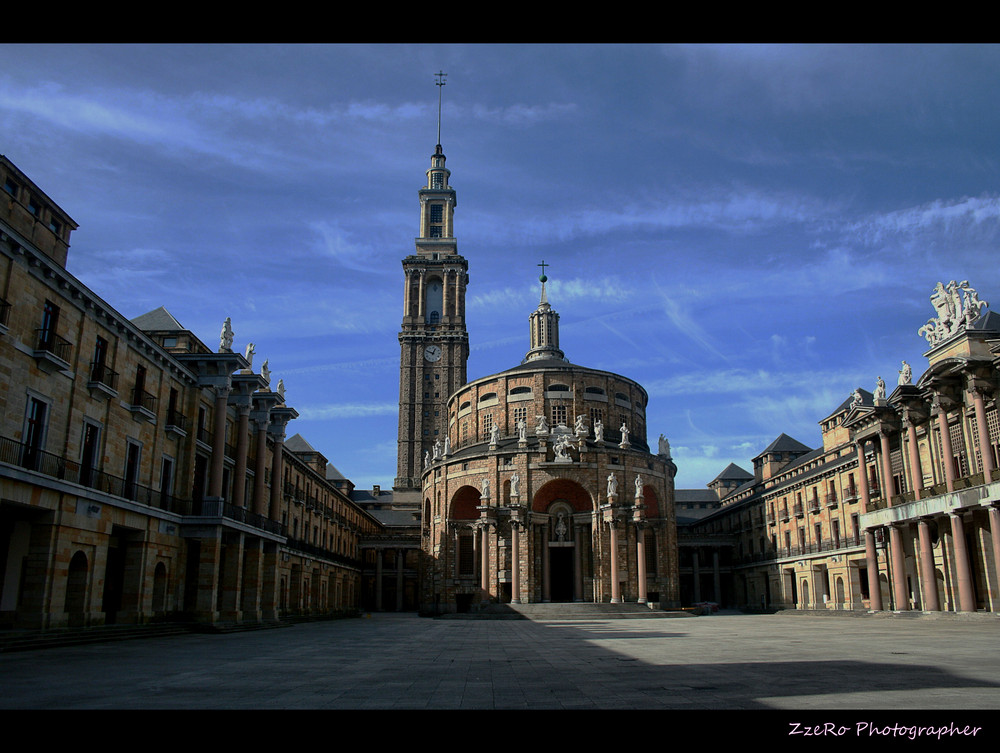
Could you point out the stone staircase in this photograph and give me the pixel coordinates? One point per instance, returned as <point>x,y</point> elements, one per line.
<point>565,611</point>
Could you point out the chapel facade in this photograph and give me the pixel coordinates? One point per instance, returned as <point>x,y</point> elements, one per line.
<point>536,484</point>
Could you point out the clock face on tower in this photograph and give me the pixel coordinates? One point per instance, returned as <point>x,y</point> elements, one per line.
<point>432,353</point>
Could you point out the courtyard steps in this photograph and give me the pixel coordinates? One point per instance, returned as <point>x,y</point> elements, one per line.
<point>565,611</point>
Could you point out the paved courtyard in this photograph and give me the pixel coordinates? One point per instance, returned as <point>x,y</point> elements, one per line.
<point>780,662</point>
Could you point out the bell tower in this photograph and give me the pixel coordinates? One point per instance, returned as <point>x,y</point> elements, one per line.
<point>434,343</point>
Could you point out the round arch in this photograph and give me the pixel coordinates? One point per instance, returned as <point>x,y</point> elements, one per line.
<point>464,504</point>
<point>562,489</point>
<point>651,500</point>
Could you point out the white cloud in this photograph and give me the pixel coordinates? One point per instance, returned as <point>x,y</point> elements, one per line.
<point>334,411</point>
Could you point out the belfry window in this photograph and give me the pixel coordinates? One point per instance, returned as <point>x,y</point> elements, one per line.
<point>437,180</point>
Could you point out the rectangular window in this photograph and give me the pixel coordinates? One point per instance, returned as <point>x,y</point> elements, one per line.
<point>47,332</point>
<point>89,455</point>
<point>466,555</point>
<point>437,212</point>
<point>558,415</point>
<point>34,433</point>
<point>132,457</point>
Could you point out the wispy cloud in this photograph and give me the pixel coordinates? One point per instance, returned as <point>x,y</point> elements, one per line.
<point>335,411</point>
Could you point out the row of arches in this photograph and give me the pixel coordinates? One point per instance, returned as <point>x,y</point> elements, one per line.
<point>467,499</point>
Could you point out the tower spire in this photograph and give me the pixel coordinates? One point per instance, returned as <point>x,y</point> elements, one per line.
<point>543,324</point>
<point>439,84</point>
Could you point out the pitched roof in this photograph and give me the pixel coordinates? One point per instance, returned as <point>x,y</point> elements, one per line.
<point>297,443</point>
<point>157,320</point>
<point>785,443</point>
<point>732,472</point>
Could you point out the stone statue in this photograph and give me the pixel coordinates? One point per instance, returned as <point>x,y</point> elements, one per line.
<point>612,486</point>
<point>580,428</point>
<point>880,389</point>
<point>522,431</point>
<point>638,485</point>
<point>515,485</point>
<point>624,442</point>
<point>446,450</point>
<point>664,448</point>
<point>265,372</point>
<point>248,354</point>
<point>226,338</point>
<point>562,445</point>
<point>957,306</point>
<point>281,388</point>
<point>427,458</point>
<point>437,449</point>
<point>856,398</point>
<point>598,431</point>
<point>543,425</point>
<point>486,489</point>
<point>561,527</point>
<point>495,434</point>
<point>906,374</point>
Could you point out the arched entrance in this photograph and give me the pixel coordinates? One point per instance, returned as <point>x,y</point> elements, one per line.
<point>562,509</point>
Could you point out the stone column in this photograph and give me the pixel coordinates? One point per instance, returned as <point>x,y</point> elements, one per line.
<point>948,457</point>
<point>886,468</point>
<point>276,470</point>
<point>616,588</point>
<point>406,294</point>
<point>577,562</point>
<point>250,604</point>
<point>995,537</point>
<point>485,581</point>
<point>640,553</point>
<point>231,582</point>
<point>269,583</point>
<point>420,293</point>
<point>963,572</point>
<point>863,478</point>
<point>240,472</point>
<point>928,581</point>
<point>546,582</point>
<point>916,478</point>
<point>983,432</point>
<point>898,569</point>
<point>209,557</point>
<point>260,501</point>
<point>444,294</point>
<point>515,564</point>
<point>871,562</point>
<point>218,441</point>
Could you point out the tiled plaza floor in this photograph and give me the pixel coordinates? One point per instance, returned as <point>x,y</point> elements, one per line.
<point>749,662</point>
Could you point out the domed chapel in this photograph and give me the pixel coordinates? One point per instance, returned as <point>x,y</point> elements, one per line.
<point>535,484</point>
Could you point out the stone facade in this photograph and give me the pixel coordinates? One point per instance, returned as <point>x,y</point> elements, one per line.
<point>898,509</point>
<point>530,499</point>
<point>144,476</point>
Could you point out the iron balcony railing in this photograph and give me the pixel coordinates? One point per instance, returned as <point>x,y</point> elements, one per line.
<point>52,343</point>
<point>103,374</point>
<point>143,399</point>
<point>34,459</point>
<point>176,418</point>
<point>30,458</point>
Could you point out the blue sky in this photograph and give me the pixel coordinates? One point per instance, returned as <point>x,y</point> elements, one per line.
<point>748,231</point>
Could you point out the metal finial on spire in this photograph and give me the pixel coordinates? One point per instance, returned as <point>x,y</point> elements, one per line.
<point>543,265</point>
<point>439,83</point>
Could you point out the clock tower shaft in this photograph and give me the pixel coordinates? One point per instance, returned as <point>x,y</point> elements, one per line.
<point>434,342</point>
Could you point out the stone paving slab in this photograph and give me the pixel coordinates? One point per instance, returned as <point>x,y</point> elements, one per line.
<point>397,662</point>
